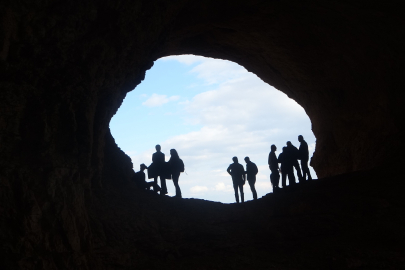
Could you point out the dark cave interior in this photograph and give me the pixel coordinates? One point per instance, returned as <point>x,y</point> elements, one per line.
<point>67,201</point>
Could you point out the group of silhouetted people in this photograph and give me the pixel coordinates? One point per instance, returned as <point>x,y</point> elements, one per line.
<point>162,169</point>
<point>288,160</point>
<point>240,175</point>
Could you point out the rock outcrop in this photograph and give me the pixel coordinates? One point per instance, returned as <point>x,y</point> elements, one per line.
<point>65,196</point>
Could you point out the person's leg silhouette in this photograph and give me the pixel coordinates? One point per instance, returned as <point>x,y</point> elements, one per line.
<point>298,169</point>
<point>283,178</point>
<point>176,184</point>
<point>156,187</point>
<point>291,177</point>
<point>235,187</point>
<point>242,195</point>
<point>305,170</point>
<point>252,188</point>
<point>163,186</point>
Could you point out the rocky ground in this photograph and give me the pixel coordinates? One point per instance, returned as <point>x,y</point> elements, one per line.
<point>353,221</point>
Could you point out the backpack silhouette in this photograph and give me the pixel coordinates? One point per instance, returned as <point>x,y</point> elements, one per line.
<point>256,170</point>
<point>181,165</point>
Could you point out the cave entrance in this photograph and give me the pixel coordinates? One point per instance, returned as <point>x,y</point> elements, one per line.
<point>209,110</point>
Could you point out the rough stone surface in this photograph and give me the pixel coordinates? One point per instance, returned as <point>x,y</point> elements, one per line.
<point>65,196</point>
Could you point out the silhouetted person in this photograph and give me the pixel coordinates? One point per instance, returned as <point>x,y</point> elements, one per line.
<point>237,172</point>
<point>140,179</point>
<point>158,159</point>
<point>251,171</point>
<point>176,167</point>
<point>304,156</point>
<point>273,165</point>
<point>286,167</point>
<point>293,151</point>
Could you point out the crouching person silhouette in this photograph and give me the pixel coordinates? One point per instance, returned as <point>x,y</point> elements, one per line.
<point>237,172</point>
<point>176,167</point>
<point>251,171</point>
<point>140,179</point>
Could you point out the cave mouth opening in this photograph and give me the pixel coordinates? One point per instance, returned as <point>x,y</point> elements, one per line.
<point>209,110</point>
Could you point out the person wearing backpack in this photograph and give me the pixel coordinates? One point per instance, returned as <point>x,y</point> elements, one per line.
<point>176,167</point>
<point>251,171</point>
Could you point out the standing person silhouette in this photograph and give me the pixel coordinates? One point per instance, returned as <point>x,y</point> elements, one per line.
<point>293,151</point>
<point>176,167</point>
<point>237,172</point>
<point>273,165</point>
<point>304,156</point>
<point>158,158</point>
<point>287,168</point>
<point>251,171</point>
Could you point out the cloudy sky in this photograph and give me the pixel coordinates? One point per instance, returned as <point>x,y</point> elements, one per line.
<point>209,110</point>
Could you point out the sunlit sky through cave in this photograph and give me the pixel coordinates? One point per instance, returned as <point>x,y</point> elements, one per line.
<point>209,110</point>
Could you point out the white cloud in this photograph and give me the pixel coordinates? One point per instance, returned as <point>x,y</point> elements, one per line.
<point>158,100</point>
<point>218,71</point>
<point>198,189</point>
<point>222,187</point>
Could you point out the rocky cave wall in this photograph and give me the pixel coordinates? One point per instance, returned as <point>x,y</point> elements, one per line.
<point>340,61</point>
<point>67,66</point>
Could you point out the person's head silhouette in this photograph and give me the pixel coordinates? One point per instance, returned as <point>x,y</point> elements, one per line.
<point>273,148</point>
<point>235,160</point>
<point>284,149</point>
<point>289,143</point>
<point>174,153</point>
<point>143,167</point>
<point>247,159</point>
<point>300,138</point>
<point>157,147</point>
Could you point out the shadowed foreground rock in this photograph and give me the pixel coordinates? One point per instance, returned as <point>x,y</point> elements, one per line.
<point>344,222</point>
<point>65,196</point>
